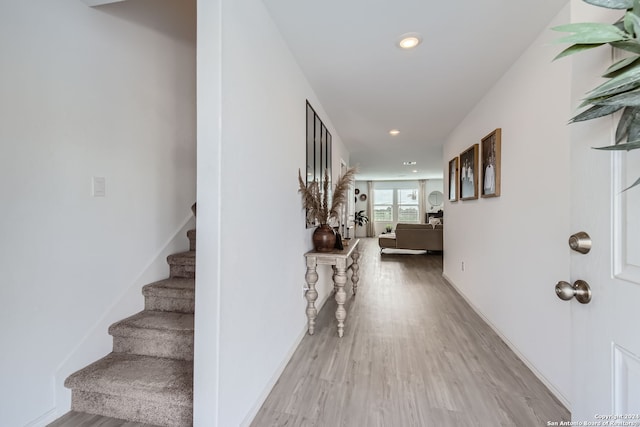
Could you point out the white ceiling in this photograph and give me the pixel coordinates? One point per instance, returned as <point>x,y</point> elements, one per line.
<point>368,86</point>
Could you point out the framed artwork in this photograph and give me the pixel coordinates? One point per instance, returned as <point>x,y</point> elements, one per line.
<point>469,173</point>
<point>491,164</point>
<point>453,180</point>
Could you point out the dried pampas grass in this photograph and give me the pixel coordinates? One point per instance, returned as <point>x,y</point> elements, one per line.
<point>316,202</point>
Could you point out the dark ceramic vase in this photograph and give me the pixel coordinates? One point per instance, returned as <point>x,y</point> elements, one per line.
<point>324,238</point>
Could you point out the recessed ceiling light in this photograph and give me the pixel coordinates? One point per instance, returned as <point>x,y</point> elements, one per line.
<point>409,40</point>
<point>415,171</point>
<point>409,163</point>
<point>394,132</point>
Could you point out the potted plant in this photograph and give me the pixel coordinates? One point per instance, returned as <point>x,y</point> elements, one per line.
<point>388,228</point>
<point>622,89</point>
<point>316,202</point>
<point>359,219</point>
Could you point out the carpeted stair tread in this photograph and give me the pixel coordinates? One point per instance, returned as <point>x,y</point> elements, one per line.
<point>155,333</point>
<point>138,324</point>
<point>148,378</point>
<point>174,287</point>
<point>176,294</point>
<point>182,264</point>
<point>82,419</point>
<point>185,258</point>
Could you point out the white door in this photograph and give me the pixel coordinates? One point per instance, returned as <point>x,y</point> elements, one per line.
<point>605,362</point>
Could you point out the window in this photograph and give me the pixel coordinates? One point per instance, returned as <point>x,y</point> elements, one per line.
<point>395,205</point>
<point>383,208</point>
<point>407,205</point>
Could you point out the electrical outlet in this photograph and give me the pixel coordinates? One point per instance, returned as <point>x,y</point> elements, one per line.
<point>99,188</point>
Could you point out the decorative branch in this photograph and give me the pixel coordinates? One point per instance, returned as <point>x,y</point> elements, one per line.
<point>317,202</point>
<point>341,192</point>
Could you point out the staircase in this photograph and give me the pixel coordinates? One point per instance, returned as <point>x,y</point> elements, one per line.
<point>148,377</point>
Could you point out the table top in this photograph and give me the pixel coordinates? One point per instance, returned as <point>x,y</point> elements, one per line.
<point>336,253</point>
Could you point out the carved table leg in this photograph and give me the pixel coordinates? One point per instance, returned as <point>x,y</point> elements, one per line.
<point>355,277</point>
<point>333,278</point>
<point>311,294</point>
<point>341,295</point>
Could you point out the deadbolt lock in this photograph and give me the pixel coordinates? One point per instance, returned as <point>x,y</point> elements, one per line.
<point>580,242</point>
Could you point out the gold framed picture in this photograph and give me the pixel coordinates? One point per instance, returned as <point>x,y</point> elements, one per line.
<point>453,180</point>
<point>491,146</point>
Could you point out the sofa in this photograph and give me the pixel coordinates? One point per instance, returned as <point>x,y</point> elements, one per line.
<point>427,237</point>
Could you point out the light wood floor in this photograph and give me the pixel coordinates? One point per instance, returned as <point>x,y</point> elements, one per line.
<point>413,354</point>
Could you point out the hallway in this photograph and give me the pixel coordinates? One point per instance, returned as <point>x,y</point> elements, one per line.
<point>413,354</point>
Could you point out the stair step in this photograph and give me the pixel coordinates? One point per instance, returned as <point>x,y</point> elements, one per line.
<point>143,389</point>
<point>182,264</point>
<point>174,294</point>
<point>155,333</point>
<point>191,234</point>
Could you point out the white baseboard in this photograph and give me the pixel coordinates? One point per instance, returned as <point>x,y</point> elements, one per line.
<point>561,397</point>
<point>44,419</point>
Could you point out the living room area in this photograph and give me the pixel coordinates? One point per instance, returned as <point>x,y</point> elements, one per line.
<point>402,214</point>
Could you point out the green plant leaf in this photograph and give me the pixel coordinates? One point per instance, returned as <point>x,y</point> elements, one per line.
<point>595,112</point>
<point>624,123</point>
<point>626,99</point>
<point>590,33</point>
<point>628,45</point>
<point>621,147</point>
<point>623,82</point>
<point>633,21</point>
<point>620,66</point>
<point>596,97</point>
<point>612,4</point>
<point>628,23</point>
<point>632,185</point>
<point>633,132</point>
<point>575,49</point>
<point>593,101</point>
<point>630,74</point>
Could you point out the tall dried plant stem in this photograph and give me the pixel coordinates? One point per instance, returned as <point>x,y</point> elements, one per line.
<point>317,202</point>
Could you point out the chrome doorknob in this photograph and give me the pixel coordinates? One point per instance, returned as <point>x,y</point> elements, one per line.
<point>580,289</point>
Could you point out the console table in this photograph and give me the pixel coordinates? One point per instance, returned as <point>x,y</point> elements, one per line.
<point>338,260</point>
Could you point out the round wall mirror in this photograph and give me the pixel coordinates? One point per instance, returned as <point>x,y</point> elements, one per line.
<point>435,198</point>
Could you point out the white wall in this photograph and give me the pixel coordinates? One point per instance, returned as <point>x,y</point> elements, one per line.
<point>258,147</point>
<point>514,247</point>
<point>85,92</point>
<point>207,310</point>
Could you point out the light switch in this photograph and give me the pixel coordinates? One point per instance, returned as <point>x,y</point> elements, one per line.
<point>99,186</point>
